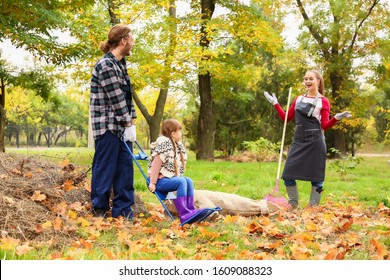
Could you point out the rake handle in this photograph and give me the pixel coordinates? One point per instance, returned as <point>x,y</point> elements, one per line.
<point>283,136</point>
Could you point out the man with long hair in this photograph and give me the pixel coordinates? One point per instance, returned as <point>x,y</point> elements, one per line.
<point>112,113</point>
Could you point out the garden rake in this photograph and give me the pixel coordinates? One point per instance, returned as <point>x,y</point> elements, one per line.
<point>275,196</point>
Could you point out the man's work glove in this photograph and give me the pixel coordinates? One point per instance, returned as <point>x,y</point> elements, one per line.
<point>343,115</point>
<point>272,99</point>
<point>130,134</point>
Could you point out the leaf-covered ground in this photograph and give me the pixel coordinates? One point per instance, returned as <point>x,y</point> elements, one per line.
<point>45,214</point>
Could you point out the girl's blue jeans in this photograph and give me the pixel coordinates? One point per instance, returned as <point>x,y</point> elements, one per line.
<point>183,185</point>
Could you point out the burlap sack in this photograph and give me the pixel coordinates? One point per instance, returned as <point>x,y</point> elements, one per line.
<point>231,204</point>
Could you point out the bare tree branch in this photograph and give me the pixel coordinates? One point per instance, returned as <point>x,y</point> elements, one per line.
<point>141,106</point>
<point>314,32</point>
<point>335,39</point>
<point>374,3</point>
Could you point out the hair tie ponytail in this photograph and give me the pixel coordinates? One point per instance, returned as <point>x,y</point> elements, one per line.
<point>104,47</point>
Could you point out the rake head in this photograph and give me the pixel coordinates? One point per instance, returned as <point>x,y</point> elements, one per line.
<point>276,198</point>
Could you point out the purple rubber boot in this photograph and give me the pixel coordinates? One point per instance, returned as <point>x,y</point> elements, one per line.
<point>182,207</point>
<point>190,203</point>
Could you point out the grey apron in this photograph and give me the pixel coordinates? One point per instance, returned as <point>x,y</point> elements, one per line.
<point>307,156</point>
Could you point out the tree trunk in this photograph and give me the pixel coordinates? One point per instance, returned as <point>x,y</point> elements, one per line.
<point>336,79</point>
<point>155,119</point>
<point>17,137</point>
<point>339,141</point>
<point>112,7</point>
<point>2,116</point>
<point>62,133</point>
<point>154,128</point>
<point>32,136</point>
<point>206,121</point>
<point>48,136</point>
<point>40,137</point>
<point>353,144</point>
<point>2,129</point>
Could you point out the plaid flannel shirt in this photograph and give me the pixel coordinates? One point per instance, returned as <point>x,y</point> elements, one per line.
<point>111,103</point>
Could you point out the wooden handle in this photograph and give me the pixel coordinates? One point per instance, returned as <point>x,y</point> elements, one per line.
<point>284,133</point>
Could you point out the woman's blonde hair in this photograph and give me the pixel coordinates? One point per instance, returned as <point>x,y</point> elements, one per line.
<point>116,34</point>
<point>167,127</point>
<point>321,86</point>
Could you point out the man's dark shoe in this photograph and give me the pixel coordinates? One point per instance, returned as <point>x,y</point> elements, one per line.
<point>99,213</point>
<point>129,216</point>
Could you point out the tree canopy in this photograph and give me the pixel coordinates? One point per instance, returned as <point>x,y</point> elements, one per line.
<point>32,25</point>
<point>219,62</point>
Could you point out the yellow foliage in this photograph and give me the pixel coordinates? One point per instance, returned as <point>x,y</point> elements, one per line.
<point>83,222</point>
<point>72,215</point>
<point>9,243</point>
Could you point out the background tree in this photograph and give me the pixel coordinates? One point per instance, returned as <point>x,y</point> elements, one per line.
<point>34,22</point>
<point>232,61</point>
<point>41,84</point>
<point>23,110</point>
<point>206,118</point>
<point>35,80</point>
<point>233,54</point>
<point>49,119</point>
<point>381,80</point>
<point>260,63</point>
<point>154,62</point>
<point>164,61</point>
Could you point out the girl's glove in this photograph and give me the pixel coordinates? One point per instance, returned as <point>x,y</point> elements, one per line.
<point>272,99</point>
<point>343,115</point>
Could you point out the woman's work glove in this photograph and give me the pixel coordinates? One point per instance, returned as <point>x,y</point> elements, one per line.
<point>272,99</point>
<point>343,115</point>
<point>130,134</point>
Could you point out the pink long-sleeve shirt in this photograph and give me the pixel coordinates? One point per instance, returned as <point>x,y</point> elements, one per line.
<point>155,170</point>
<point>321,112</point>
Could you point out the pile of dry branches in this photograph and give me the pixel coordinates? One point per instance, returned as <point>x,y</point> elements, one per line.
<point>31,189</point>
